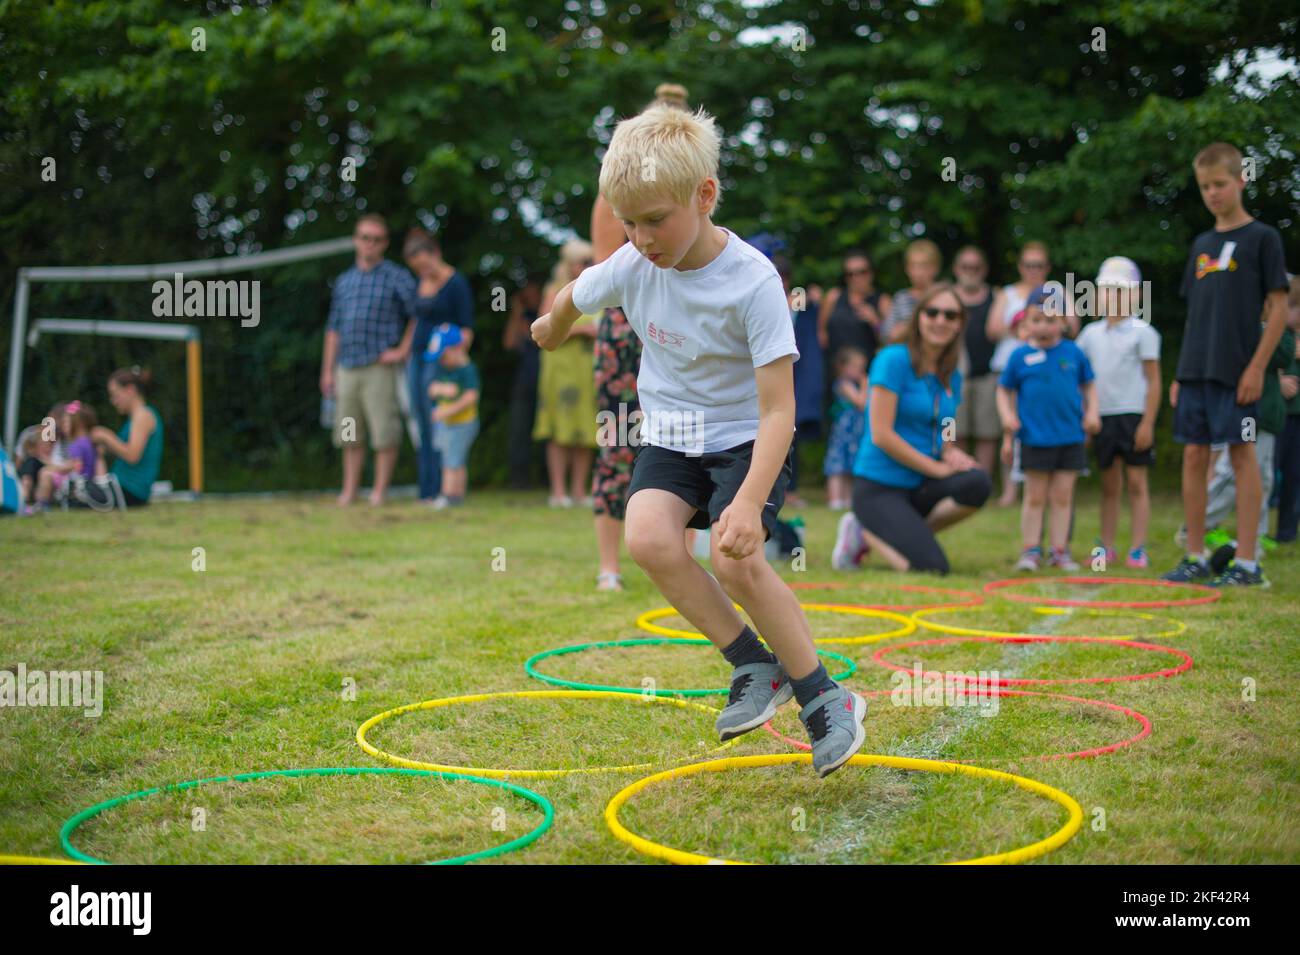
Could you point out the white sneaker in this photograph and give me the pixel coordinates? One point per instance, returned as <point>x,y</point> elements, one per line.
<point>1030,559</point>
<point>850,545</point>
<point>440,503</point>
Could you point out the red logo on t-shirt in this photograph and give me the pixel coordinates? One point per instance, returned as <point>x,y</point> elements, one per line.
<point>663,337</point>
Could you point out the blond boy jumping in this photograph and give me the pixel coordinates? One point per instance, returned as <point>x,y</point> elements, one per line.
<point>717,392</point>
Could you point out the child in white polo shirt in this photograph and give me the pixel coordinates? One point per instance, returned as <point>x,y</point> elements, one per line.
<point>717,393</point>
<point>1125,354</point>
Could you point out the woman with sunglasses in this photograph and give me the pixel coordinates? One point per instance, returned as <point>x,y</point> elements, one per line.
<point>910,479</point>
<point>1034,266</point>
<point>851,314</point>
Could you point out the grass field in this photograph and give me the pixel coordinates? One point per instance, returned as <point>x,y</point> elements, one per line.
<point>247,666</point>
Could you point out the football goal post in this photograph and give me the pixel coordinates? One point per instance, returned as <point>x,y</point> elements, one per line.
<point>24,337</point>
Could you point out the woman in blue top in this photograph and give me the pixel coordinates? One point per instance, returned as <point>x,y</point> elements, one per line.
<point>137,447</point>
<point>910,479</point>
<point>443,295</point>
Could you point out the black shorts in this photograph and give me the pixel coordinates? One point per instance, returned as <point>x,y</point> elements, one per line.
<point>708,482</point>
<point>1115,439</point>
<point>1207,413</point>
<point>1064,457</point>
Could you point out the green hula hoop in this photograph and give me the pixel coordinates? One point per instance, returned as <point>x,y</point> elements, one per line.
<point>531,669</point>
<point>548,813</point>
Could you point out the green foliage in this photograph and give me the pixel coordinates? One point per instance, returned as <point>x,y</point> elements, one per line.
<point>835,137</point>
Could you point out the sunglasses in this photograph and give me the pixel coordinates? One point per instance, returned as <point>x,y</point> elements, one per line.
<point>852,272</point>
<point>372,238</point>
<point>951,314</point>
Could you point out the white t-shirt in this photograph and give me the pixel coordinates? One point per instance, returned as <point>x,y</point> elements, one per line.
<point>1117,353</point>
<point>703,332</point>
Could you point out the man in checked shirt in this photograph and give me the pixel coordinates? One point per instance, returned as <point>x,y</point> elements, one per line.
<point>368,336</point>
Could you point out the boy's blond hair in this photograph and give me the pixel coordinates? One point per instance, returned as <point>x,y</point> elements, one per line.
<point>927,248</point>
<point>1219,154</point>
<point>663,151</point>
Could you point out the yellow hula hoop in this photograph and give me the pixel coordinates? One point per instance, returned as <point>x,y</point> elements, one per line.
<point>36,860</point>
<point>1023,854</point>
<point>374,751</point>
<point>1178,627</point>
<point>906,624</point>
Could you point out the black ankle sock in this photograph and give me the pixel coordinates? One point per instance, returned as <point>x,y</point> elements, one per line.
<point>747,648</point>
<point>808,688</point>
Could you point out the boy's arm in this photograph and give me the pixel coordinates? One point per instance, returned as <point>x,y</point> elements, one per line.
<point>1145,436</point>
<point>460,403</point>
<point>1091,414</point>
<point>1250,388</point>
<point>1006,399</point>
<point>552,329</point>
<point>741,525</point>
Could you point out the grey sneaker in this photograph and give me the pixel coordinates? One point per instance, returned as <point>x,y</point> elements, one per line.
<point>1031,558</point>
<point>834,724</point>
<point>757,689</point>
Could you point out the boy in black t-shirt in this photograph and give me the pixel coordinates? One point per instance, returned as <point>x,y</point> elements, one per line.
<point>1235,278</point>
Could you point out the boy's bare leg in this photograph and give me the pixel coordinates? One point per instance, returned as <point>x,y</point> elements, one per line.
<point>771,604</point>
<point>1139,499</point>
<point>1031,512</point>
<point>1245,470</point>
<point>1061,492</point>
<point>653,530</point>
<point>1112,482</point>
<point>1196,461</point>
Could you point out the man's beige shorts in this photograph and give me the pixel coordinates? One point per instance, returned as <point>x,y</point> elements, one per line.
<point>367,405</point>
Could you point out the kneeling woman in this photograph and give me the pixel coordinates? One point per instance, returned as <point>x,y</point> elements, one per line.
<point>910,480</point>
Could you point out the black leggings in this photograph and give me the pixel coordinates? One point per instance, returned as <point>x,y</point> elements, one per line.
<point>897,515</point>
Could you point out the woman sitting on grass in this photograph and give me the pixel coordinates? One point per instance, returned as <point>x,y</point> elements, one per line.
<point>137,447</point>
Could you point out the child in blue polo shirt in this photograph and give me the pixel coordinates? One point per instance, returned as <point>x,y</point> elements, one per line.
<point>1047,398</point>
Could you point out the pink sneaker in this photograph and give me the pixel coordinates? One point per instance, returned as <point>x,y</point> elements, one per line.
<point>1061,559</point>
<point>1138,559</point>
